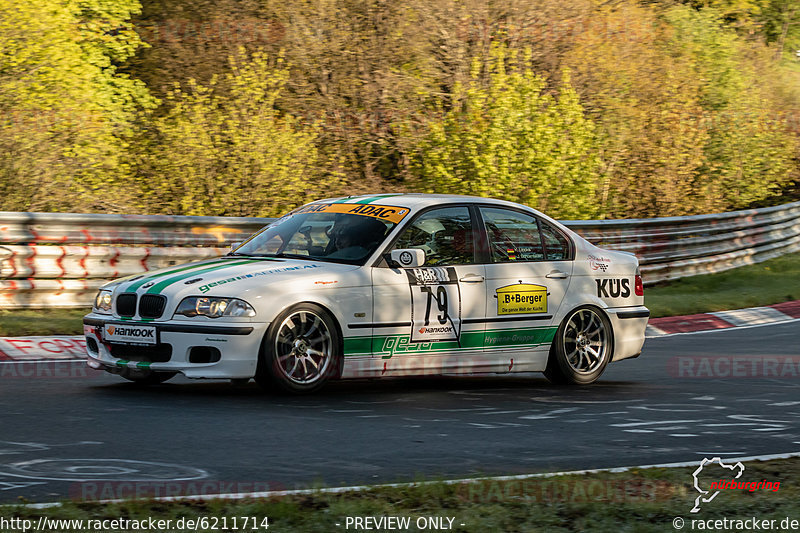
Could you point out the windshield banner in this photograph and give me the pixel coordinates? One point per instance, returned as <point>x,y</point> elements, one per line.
<point>382,212</point>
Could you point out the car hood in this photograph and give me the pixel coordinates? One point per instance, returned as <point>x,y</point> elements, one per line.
<point>229,276</point>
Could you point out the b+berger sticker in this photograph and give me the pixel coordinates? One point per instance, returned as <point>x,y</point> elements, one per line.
<point>521,298</point>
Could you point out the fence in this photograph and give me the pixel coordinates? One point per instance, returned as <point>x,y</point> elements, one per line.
<point>59,260</point>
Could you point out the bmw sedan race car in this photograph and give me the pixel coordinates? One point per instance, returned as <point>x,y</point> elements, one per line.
<point>379,286</point>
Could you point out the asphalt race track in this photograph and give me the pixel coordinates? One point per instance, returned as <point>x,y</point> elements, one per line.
<point>728,393</point>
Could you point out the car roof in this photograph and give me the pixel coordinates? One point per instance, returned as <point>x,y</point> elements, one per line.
<point>415,201</point>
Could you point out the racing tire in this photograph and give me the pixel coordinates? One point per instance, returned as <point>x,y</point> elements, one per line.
<point>146,377</point>
<point>583,346</point>
<point>301,351</point>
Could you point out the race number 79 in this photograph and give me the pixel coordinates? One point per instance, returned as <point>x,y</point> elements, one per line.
<point>441,302</point>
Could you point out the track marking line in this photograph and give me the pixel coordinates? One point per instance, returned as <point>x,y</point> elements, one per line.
<point>359,488</point>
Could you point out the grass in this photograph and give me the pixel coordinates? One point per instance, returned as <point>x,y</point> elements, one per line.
<point>770,282</point>
<point>19,322</point>
<point>637,500</point>
<point>773,281</point>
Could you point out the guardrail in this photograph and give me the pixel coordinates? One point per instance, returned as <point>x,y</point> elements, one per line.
<point>59,260</point>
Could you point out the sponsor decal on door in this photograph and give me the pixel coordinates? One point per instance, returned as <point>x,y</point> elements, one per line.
<point>435,304</point>
<point>521,298</point>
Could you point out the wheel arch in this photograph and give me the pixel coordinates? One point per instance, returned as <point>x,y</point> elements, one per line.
<point>598,306</point>
<point>324,306</point>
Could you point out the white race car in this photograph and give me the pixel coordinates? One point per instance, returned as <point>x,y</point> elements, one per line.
<point>379,286</point>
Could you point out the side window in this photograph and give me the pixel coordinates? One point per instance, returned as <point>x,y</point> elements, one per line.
<point>445,234</point>
<point>513,236</point>
<point>555,243</point>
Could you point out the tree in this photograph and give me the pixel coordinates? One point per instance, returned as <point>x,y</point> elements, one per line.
<point>650,121</point>
<point>224,149</point>
<point>750,151</point>
<point>507,138</point>
<point>66,113</point>
<point>781,20</point>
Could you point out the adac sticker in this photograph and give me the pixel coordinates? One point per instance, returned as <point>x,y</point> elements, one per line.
<point>521,298</point>
<point>388,213</point>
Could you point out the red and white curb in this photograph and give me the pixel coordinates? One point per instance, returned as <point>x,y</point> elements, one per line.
<point>62,347</point>
<point>751,316</point>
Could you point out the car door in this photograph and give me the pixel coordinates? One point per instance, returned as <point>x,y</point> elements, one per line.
<point>526,280</point>
<point>431,317</point>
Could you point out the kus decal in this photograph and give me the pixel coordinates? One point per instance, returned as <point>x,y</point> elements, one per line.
<point>613,288</point>
<point>521,298</point>
<point>205,288</point>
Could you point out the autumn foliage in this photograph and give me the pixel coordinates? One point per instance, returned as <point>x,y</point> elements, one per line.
<point>581,108</point>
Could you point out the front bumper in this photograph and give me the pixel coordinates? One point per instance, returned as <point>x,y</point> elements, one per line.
<point>224,350</point>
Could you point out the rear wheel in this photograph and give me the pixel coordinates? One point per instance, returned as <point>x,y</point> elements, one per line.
<point>301,350</point>
<point>583,346</point>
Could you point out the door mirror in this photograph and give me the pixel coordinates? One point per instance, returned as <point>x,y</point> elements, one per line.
<point>235,245</point>
<point>409,257</point>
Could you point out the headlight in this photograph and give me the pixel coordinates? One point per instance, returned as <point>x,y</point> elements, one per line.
<point>102,302</point>
<point>214,307</point>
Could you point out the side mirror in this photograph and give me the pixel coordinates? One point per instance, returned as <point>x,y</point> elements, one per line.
<point>235,245</point>
<point>409,257</point>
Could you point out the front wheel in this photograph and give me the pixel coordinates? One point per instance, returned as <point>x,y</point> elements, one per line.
<point>301,350</point>
<point>583,346</point>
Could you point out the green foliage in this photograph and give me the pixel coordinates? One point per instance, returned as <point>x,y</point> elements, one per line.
<point>224,149</point>
<point>743,14</point>
<point>649,117</point>
<point>508,139</point>
<point>781,22</point>
<point>580,108</point>
<point>66,113</point>
<point>749,152</point>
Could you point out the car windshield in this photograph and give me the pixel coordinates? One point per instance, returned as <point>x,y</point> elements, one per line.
<point>339,233</point>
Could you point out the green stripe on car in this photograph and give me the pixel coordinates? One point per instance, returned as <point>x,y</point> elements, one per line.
<point>389,345</point>
<point>158,287</point>
<point>139,282</point>
<point>371,199</point>
<point>357,345</point>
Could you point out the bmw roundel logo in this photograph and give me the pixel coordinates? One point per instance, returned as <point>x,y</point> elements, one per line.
<point>406,258</point>
<point>148,284</point>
